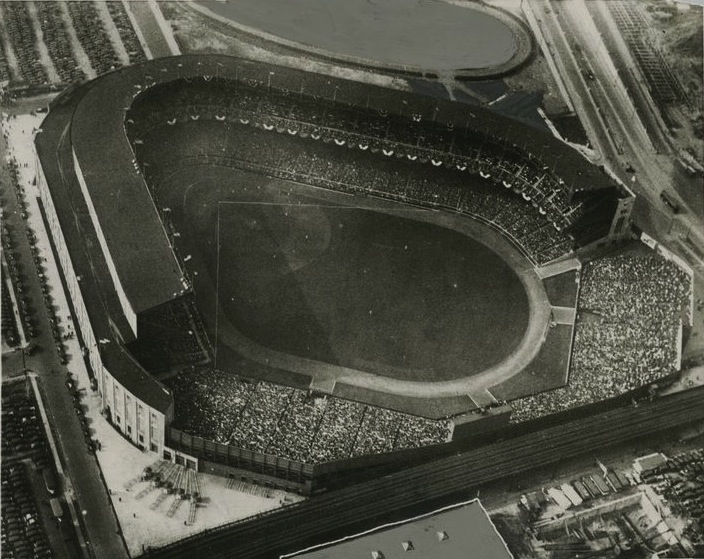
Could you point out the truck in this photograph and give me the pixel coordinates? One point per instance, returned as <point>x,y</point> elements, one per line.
<point>49,480</point>
<point>669,202</point>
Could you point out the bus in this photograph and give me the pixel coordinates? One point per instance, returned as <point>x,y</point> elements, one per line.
<point>674,206</point>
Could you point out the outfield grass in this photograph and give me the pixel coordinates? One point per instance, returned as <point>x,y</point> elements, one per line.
<point>434,408</point>
<point>562,289</point>
<point>349,286</point>
<point>546,372</point>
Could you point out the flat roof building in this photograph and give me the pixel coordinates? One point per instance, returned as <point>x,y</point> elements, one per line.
<point>461,531</point>
<point>646,463</point>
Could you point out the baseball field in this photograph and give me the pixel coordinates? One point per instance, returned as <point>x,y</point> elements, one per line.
<point>327,277</point>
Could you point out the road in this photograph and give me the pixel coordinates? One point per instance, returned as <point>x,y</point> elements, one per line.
<point>84,480</point>
<point>614,124</point>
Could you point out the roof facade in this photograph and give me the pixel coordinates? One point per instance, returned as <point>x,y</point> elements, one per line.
<point>461,531</point>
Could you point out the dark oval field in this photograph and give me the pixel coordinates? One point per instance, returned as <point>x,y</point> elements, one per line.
<point>422,33</point>
<point>340,284</point>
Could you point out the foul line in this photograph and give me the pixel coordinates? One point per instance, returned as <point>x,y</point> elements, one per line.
<point>319,205</point>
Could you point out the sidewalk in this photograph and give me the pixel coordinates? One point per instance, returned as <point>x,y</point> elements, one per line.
<point>81,469</point>
<point>99,486</point>
<point>68,487</point>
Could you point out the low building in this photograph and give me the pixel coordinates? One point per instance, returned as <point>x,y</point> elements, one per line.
<point>646,463</point>
<point>459,531</point>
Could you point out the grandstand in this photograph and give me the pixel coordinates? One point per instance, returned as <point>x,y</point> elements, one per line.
<point>133,290</point>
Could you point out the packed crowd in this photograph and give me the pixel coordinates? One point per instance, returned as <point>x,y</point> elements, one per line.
<point>325,165</point>
<point>394,135</point>
<point>626,332</point>
<point>171,335</point>
<point>289,422</point>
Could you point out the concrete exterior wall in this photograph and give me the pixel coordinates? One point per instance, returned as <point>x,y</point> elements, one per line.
<point>141,424</point>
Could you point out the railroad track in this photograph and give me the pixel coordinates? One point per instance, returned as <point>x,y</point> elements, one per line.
<point>419,488</point>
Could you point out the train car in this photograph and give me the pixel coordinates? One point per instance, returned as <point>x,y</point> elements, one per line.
<point>581,490</point>
<point>613,480</point>
<point>56,508</point>
<point>670,203</point>
<point>591,486</point>
<point>559,497</point>
<point>622,478</point>
<point>601,485</point>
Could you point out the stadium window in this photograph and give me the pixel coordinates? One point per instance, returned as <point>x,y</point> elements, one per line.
<point>141,438</point>
<point>117,419</point>
<point>153,447</point>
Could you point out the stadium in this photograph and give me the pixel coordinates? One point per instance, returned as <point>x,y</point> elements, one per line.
<point>289,279</point>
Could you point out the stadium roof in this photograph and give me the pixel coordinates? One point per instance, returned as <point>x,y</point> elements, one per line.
<point>456,532</point>
<point>133,231</point>
<point>104,310</point>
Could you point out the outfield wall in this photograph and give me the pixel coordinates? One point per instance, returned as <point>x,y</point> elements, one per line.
<point>247,465</point>
<point>293,475</point>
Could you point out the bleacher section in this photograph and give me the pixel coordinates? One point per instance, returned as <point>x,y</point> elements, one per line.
<point>292,423</point>
<point>504,164</point>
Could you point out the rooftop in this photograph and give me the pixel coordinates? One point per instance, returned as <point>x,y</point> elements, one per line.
<point>645,463</point>
<point>101,301</point>
<point>447,533</point>
<point>126,210</point>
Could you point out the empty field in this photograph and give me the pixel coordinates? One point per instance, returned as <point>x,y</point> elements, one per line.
<point>421,34</point>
